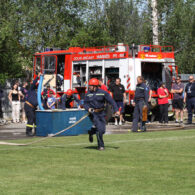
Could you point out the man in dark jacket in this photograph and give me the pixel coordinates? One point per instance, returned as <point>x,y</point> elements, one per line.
<point>94,103</point>
<point>140,100</point>
<point>67,99</point>
<point>30,106</point>
<point>189,98</point>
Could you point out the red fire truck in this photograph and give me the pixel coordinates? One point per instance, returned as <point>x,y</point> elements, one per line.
<point>72,68</point>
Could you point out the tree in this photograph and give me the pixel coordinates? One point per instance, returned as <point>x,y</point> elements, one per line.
<point>154,21</point>
<point>123,21</point>
<point>29,26</point>
<point>51,23</point>
<point>10,47</point>
<point>177,22</point>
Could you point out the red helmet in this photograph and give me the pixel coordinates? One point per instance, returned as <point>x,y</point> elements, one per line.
<point>94,82</point>
<point>69,92</point>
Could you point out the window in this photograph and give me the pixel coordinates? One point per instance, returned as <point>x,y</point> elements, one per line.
<point>49,64</point>
<point>38,65</point>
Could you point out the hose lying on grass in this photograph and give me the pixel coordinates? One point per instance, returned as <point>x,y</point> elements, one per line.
<point>42,139</point>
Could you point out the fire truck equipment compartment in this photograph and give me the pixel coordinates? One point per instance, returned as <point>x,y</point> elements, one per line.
<point>52,121</point>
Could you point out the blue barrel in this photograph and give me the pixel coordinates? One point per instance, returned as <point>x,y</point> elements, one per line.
<point>52,121</point>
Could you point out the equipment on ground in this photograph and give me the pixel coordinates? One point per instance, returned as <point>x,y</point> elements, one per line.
<point>45,138</point>
<point>144,113</point>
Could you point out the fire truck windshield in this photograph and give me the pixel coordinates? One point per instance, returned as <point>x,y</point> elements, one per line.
<point>49,64</point>
<point>38,65</point>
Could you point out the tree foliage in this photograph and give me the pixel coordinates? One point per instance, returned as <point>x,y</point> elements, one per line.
<point>177,21</point>
<point>29,26</point>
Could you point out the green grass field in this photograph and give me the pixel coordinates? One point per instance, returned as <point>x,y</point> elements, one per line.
<point>143,163</point>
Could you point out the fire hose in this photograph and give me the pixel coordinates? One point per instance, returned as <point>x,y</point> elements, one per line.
<point>41,108</point>
<point>39,93</point>
<point>45,138</point>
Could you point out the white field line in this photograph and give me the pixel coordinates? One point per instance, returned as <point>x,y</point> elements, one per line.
<point>141,140</point>
<point>175,138</point>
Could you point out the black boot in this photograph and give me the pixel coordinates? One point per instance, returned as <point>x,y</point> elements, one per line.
<point>29,132</point>
<point>91,133</point>
<point>90,136</point>
<point>100,140</point>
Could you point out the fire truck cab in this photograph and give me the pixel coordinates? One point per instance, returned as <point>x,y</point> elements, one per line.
<point>72,68</point>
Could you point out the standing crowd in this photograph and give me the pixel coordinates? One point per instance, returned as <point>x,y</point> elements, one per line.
<point>95,100</point>
<point>183,98</point>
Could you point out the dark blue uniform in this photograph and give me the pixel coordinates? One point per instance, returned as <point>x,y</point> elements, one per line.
<point>140,99</point>
<point>30,107</point>
<point>65,101</point>
<point>96,100</point>
<point>190,101</point>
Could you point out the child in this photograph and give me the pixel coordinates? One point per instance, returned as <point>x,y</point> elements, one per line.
<point>51,101</point>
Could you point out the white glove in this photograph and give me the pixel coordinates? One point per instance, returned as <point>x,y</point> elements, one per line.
<point>91,110</point>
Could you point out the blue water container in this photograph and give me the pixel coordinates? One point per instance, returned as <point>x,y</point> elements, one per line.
<point>52,121</point>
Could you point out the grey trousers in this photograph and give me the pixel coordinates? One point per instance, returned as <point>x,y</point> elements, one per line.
<point>137,116</point>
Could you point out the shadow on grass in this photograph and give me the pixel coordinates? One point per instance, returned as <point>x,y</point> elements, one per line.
<point>95,147</point>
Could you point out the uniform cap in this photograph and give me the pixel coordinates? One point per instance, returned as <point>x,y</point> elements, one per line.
<point>94,82</point>
<point>69,92</point>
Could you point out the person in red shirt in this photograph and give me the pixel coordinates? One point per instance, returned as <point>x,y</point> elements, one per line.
<point>163,102</point>
<point>102,86</point>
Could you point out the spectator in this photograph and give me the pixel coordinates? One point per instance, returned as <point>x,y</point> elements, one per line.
<point>51,101</point>
<point>189,98</point>
<point>119,95</point>
<point>102,86</point>
<point>163,102</point>
<point>14,97</point>
<point>177,90</point>
<point>111,83</point>
<point>45,95</point>
<point>18,84</point>
<point>24,91</point>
